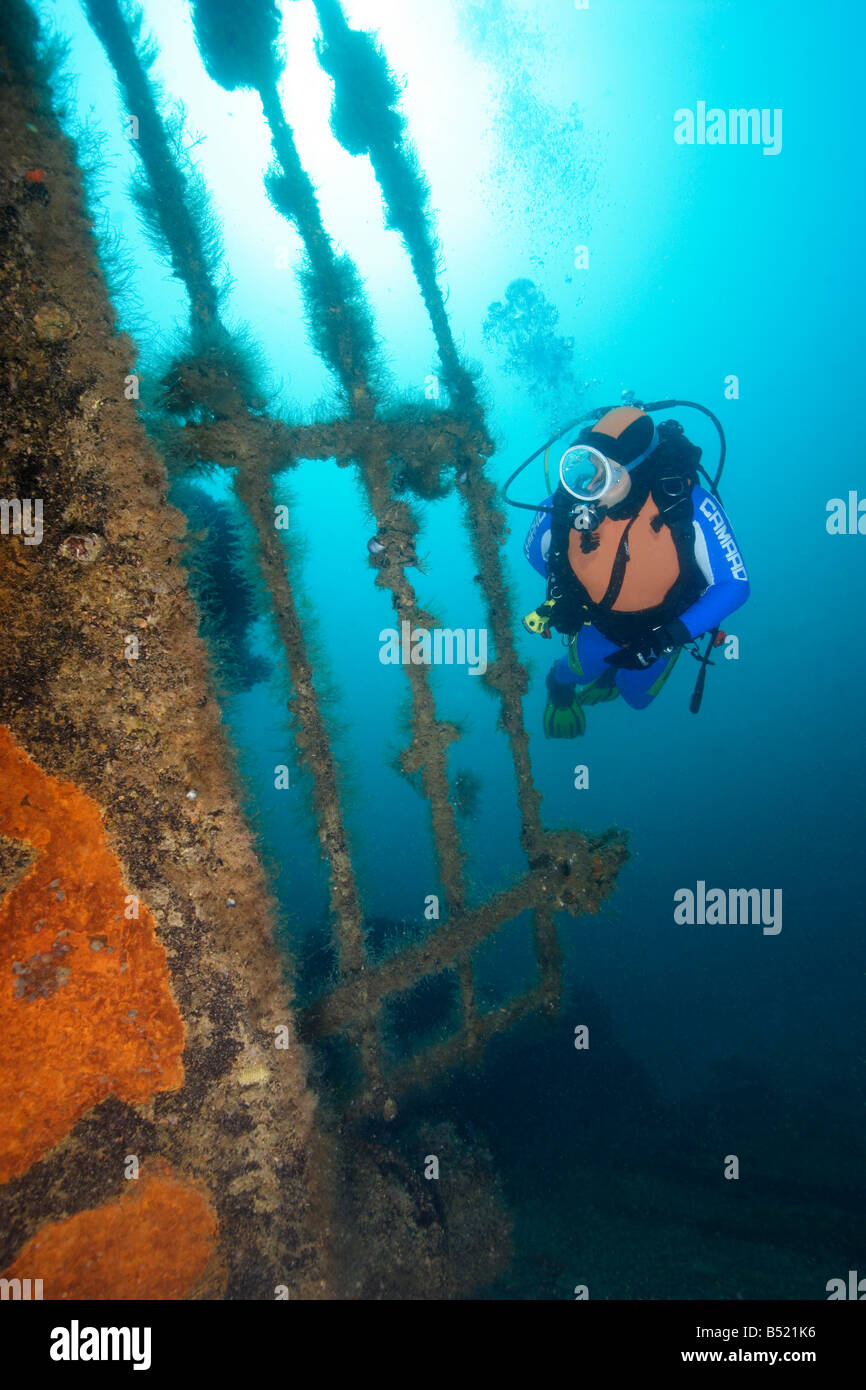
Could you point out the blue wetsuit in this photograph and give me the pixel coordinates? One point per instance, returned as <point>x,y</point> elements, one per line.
<point>718,559</point>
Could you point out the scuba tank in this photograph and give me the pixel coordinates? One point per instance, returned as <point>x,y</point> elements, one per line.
<point>573,512</point>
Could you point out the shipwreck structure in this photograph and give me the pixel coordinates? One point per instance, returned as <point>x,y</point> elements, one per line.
<point>111,729</point>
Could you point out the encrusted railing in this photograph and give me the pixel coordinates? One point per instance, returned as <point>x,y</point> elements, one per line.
<point>431,449</point>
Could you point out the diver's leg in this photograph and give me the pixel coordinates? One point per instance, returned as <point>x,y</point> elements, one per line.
<point>639,688</point>
<point>586,658</point>
<point>585,663</point>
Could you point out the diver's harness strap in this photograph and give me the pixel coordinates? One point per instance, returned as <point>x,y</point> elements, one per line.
<point>617,571</point>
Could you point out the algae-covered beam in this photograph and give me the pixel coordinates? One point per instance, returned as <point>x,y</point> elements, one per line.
<point>315,750</point>
<point>437,434</point>
<point>427,754</point>
<point>366,120</point>
<point>548,953</point>
<point>192,244</point>
<point>238,43</point>
<point>508,676</point>
<point>310,732</point>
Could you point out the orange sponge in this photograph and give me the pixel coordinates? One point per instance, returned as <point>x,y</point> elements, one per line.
<point>153,1242</point>
<point>86,1009</point>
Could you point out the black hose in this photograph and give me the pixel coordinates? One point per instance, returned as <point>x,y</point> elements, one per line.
<point>695,405</point>
<point>596,415</point>
<point>698,692</point>
<point>572,424</point>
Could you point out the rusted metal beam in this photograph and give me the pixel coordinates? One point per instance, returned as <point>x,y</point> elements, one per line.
<point>407,432</point>
<point>450,1052</point>
<point>567,879</point>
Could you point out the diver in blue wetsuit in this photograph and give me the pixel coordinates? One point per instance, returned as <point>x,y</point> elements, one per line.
<point>640,560</point>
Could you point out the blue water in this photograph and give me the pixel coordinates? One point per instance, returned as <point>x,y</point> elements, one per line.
<point>543,128</point>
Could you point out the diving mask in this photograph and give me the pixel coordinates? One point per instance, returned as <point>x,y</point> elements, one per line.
<point>588,474</point>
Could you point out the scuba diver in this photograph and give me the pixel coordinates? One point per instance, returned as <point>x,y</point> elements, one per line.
<point>640,561</point>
